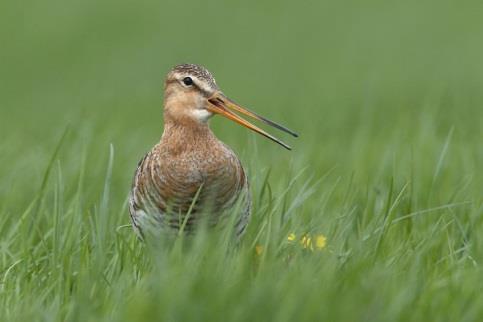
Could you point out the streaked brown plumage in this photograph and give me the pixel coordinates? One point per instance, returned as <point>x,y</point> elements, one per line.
<point>190,161</point>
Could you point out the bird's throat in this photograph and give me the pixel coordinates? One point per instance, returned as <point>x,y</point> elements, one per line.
<point>183,135</point>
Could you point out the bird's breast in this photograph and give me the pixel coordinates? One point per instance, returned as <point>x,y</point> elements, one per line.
<point>215,177</point>
<point>176,178</point>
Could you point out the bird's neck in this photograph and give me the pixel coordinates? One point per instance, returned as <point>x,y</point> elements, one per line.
<point>182,135</point>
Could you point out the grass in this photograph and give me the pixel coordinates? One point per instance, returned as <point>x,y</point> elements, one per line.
<point>387,99</point>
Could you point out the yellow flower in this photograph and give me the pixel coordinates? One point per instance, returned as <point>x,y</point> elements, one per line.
<point>320,241</point>
<point>306,242</point>
<point>259,250</point>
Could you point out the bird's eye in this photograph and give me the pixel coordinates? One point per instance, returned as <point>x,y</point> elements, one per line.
<point>188,81</point>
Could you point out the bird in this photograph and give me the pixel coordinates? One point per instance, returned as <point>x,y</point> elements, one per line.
<point>191,176</point>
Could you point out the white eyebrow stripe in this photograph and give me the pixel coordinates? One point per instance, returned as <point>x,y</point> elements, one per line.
<point>202,85</point>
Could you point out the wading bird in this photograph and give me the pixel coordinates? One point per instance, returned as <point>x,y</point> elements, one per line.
<point>191,175</point>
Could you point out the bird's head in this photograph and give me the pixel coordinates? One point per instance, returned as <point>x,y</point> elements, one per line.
<point>192,95</point>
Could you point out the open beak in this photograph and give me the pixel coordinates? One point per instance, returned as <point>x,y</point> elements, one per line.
<point>220,104</point>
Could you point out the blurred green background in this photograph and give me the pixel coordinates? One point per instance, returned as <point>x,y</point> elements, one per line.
<point>382,73</point>
<point>385,95</point>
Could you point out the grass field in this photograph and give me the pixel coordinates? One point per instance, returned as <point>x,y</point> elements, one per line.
<point>388,101</point>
